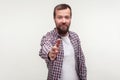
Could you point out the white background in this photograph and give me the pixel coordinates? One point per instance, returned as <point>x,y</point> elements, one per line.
<point>24,22</point>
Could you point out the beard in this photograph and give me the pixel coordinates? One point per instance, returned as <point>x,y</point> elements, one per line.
<point>63,29</point>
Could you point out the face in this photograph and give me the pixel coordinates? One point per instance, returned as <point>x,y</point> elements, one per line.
<point>62,20</point>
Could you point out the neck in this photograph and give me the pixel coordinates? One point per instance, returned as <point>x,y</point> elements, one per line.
<point>63,35</point>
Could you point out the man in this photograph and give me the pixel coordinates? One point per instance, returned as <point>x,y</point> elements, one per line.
<point>61,48</point>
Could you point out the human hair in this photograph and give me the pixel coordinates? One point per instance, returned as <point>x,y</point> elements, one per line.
<point>61,7</point>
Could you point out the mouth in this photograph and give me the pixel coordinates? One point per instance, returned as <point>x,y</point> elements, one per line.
<point>63,27</point>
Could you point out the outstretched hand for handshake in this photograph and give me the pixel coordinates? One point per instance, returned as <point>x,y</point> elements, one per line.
<point>55,50</point>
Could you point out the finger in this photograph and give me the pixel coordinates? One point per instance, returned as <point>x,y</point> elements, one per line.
<point>54,50</point>
<point>58,41</point>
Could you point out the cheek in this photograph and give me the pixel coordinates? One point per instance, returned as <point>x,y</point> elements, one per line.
<point>68,21</point>
<point>57,22</point>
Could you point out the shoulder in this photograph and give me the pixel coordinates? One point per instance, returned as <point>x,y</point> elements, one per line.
<point>49,34</point>
<point>73,34</point>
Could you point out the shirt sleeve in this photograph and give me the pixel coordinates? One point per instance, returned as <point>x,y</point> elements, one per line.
<point>82,66</point>
<point>45,48</point>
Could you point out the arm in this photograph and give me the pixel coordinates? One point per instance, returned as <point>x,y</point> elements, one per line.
<point>82,66</point>
<point>48,51</point>
<point>45,48</point>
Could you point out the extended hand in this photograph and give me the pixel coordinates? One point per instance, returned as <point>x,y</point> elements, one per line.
<point>55,50</point>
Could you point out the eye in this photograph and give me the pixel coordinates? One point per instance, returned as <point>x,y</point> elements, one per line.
<point>67,17</point>
<point>59,17</point>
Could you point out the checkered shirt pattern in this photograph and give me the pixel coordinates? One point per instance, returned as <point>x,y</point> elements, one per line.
<point>55,67</point>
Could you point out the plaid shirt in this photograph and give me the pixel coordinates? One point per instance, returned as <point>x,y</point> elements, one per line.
<point>55,67</point>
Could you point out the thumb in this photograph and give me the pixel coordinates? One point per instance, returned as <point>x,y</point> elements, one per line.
<point>58,41</point>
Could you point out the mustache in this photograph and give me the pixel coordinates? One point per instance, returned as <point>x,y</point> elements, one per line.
<point>64,24</point>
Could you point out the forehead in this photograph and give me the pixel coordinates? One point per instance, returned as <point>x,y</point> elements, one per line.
<point>63,12</point>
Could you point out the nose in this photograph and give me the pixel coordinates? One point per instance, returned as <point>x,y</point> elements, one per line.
<point>63,20</point>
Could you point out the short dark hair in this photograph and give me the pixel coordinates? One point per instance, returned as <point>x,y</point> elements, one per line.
<point>61,7</point>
